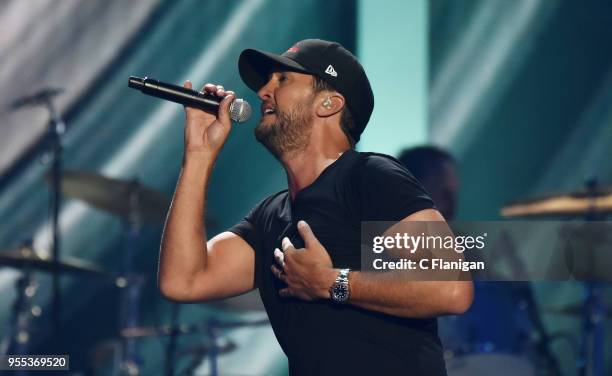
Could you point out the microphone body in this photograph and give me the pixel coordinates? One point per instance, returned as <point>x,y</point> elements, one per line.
<point>240,110</point>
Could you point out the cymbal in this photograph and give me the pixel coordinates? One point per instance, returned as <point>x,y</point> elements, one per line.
<point>579,203</point>
<point>115,195</point>
<point>27,258</point>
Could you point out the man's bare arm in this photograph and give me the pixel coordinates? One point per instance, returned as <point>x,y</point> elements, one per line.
<point>229,272</point>
<point>190,267</point>
<point>417,299</point>
<point>391,293</point>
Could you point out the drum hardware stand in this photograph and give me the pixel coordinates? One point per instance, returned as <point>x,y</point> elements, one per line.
<point>19,331</point>
<point>55,129</point>
<point>171,347</point>
<point>526,297</point>
<point>132,284</point>
<point>213,329</point>
<point>19,334</point>
<point>212,332</point>
<point>591,361</point>
<point>542,344</point>
<point>212,350</point>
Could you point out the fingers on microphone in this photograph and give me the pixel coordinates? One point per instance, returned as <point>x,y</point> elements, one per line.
<point>217,90</point>
<point>224,113</point>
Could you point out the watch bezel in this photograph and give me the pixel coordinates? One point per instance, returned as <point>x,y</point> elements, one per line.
<point>340,292</point>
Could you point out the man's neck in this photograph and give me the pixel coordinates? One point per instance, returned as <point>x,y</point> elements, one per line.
<point>304,167</point>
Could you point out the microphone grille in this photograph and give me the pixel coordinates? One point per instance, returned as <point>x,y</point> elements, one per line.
<point>240,110</point>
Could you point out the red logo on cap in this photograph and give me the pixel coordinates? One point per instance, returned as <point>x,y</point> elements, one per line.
<point>294,49</point>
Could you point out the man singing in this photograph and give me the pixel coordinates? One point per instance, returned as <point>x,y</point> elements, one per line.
<point>301,246</point>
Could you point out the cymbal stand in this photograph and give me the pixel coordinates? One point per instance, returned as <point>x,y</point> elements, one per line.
<point>56,129</point>
<point>591,360</point>
<point>132,283</point>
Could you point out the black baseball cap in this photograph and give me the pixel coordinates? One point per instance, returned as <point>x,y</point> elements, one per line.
<point>327,60</point>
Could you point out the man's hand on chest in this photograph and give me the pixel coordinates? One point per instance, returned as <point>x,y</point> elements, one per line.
<point>308,272</point>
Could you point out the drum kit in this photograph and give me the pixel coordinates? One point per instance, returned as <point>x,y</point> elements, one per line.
<point>137,205</point>
<point>518,343</point>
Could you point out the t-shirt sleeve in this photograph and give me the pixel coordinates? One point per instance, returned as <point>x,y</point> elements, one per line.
<point>248,228</point>
<point>389,191</point>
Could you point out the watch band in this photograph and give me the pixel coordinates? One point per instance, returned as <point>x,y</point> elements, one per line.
<point>343,275</point>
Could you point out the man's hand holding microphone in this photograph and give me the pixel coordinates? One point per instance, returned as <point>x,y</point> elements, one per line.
<point>213,108</point>
<point>205,132</point>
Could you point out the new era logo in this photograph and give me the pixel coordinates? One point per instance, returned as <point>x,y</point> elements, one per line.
<point>331,71</point>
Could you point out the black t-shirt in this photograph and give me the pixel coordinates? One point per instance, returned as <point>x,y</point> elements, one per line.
<point>320,337</point>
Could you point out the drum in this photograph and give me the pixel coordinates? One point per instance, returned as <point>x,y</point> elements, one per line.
<point>494,337</point>
<point>498,364</point>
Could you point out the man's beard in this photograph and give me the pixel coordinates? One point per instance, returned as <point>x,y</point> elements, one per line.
<point>290,133</point>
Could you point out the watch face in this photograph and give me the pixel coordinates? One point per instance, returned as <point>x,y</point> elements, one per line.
<point>340,292</point>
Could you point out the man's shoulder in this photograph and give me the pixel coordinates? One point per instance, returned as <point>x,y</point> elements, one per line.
<point>373,158</point>
<point>373,163</point>
<point>271,202</point>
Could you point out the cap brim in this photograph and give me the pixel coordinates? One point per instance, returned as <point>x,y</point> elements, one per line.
<point>255,67</point>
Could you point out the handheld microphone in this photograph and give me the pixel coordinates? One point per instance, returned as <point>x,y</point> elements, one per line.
<point>240,110</point>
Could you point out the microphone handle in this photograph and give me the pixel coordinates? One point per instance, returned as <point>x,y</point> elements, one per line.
<point>178,94</point>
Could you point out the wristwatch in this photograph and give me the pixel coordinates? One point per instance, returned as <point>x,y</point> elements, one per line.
<point>339,291</point>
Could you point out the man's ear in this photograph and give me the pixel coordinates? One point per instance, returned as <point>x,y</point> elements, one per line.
<point>329,104</point>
